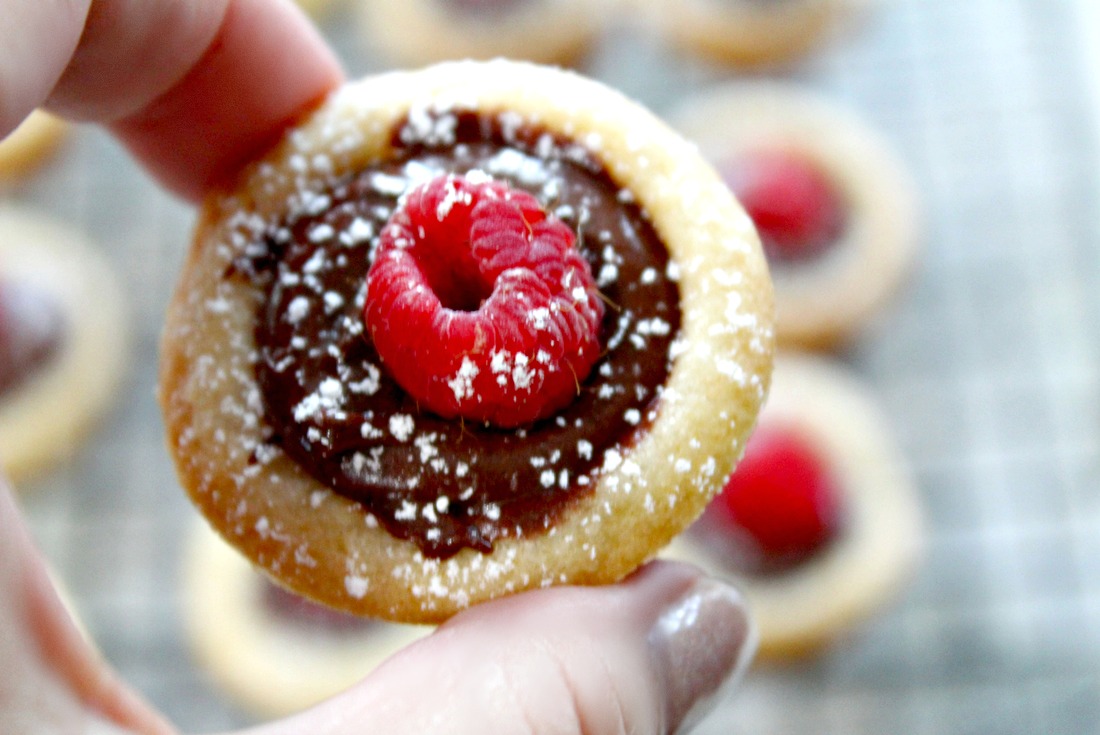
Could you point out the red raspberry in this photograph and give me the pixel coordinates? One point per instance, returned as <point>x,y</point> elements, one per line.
<point>481,306</point>
<point>781,498</point>
<point>796,209</point>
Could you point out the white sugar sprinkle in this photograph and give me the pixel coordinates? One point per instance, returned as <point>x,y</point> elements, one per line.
<point>328,397</point>
<point>406,512</point>
<point>402,426</point>
<point>656,326</point>
<point>521,375</point>
<point>218,305</point>
<point>609,273</point>
<point>297,309</point>
<point>360,230</point>
<point>388,184</point>
<point>333,301</point>
<point>315,262</point>
<point>462,384</point>
<point>538,318</point>
<point>356,586</point>
<point>369,384</point>
<point>321,232</point>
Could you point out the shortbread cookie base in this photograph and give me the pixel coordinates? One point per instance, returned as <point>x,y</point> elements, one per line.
<point>268,665</point>
<point>801,610</point>
<point>829,299</point>
<point>418,32</point>
<point>30,144</point>
<point>323,545</point>
<point>752,33</point>
<point>44,418</point>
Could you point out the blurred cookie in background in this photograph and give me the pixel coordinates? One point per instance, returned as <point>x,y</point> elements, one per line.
<point>751,33</point>
<point>31,144</point>
<point>63,339</point>
<point>834,204</point>
<point>820,524</point>
<point>419,32</point>
<point>317,9</point>
<point>272,652</point>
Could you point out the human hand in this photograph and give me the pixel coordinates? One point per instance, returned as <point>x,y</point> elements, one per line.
<point>194,89</point>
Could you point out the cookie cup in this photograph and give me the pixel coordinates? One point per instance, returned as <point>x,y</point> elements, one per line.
<point>31,144</point>
<point>752,33</point>
<point>863,570</point>
<point>416,32</point>
<point>269,662</point>
<point>45,417</point>
<point>326,547</point>
<point>827,300</point>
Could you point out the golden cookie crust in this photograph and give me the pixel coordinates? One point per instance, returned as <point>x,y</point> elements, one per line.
<point>418,32</point>
<point>801,610</point>
<point>830,299</point>
<point>269,665</point>
<point>750,32</point>
<point>44,418</point>
<point>322,545</point>
<point>30,144</point>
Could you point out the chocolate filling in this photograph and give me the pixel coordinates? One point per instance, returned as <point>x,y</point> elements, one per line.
<point>31,330</point>
<point>330,405</point>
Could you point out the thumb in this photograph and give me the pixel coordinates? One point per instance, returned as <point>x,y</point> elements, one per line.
<point>648,655</point>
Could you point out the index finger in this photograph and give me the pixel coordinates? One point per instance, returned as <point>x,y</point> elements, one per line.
<point>193,92</point>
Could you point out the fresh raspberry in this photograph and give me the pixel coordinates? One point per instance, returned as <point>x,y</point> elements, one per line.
<point>480,305</point>
<point>796,209</point>
<point>781,499</point>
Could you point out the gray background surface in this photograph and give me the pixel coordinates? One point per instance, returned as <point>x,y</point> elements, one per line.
<point>987,366</point>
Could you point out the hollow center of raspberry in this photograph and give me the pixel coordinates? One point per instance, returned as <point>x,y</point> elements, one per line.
<point>782,505</point>
<point>797,210</point>
<point>459,284</point>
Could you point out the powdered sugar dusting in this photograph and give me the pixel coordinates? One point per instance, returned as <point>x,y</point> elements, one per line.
<point>447,583</point>
<point>401,426</point>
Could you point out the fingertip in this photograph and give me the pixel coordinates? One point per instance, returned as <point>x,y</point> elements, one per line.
<point>702,643</point>
<point>649,655</point>
<point>266,66</point>
<point>683,638</point>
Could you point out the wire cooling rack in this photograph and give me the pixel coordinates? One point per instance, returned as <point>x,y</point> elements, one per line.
<point>987,366</point>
